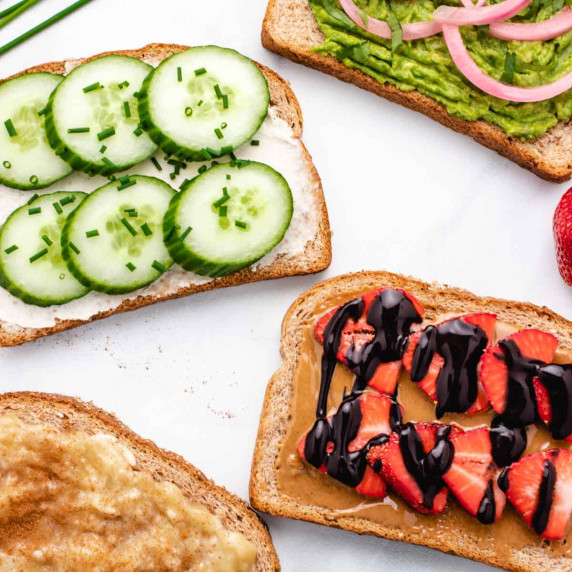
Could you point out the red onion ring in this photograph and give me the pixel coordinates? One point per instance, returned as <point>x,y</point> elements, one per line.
<point>479,15</point>
<point>536,32</point>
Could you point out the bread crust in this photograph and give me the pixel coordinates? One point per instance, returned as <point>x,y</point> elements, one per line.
<point>67,413</point>
<point>277,412</point>
<point>290,29</point>
<point>316,257</point>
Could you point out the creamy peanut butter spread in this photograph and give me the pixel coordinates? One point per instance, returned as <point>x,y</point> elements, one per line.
<point>302,482</point>
<point>74,501</point>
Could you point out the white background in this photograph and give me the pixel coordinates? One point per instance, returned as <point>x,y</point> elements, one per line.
<point>404,194</point>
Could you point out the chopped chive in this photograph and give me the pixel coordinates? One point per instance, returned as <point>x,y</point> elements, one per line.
<point>74,248</point>
<point>200,71</point>
<point>47,240</point>
<point>137,95</point>
<point>146,229</point>
<point>228,178</point>
<point>67,200</point>
<point>124,179</point>
<point>186,233</point>
<point>206,154</point>
<point>10,128</point>
<point>396,31</point>
<point>123,84</point>
<point>219,133</point>
<point>111,177</point>
<point>62,276</point>
<point>255,142</point>
<point>222,211</point>
<point>156,163</point>
<point>126,109</point>
<point>92,87</point>
<point>179,74</point>
<point>33,198</point>
<point>177,163</point>
<point>11,249</point>
<point>173,175</point>
<point>171,231</point>
<point>132,213</point>
<point>7,165</point>
<point>200,102</point>
<point>106,133</point>
<point>59,209</point>
<point>221,201</point>
<point>224,125</point>
<point>34,180</point>
<point>226,149</point>
<point>138,132</point>
<point>128,226</point>
<point>214,163</point>
<point>34,210</point>
<point>42,112</point>
<point>79,130</point>
<point>225,101</point>
<point>202,169</point>
<point>240,224</point>
<point>188,111</point>
<point>103,149</point>
<point>92,233</point>
<point>108,163</point>
<point>131,267</point>
<point>185,184</point>
<point>242,163</point>
<point>218,91</point>
<point>158,266</point>
<point>126,185</point>
<point>225,191</point>
<point>39,255</point>
<point>233,156</point>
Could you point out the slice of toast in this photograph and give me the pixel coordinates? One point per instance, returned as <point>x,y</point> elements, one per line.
<point>66,413</point>
<point>290,30</point>
<point>317,252</point>
<point>278,415</point>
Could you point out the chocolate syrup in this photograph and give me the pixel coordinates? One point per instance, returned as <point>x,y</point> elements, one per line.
<point>508,443</point>
<point>488,507</point>
<point>557,379</point>
<point>462,346</point>
<point>426,468</point>
<point>545,496</point>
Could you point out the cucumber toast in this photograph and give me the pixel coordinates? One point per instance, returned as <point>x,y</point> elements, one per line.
<point>206,176</point>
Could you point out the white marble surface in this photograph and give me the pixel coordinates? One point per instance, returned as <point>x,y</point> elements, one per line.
<point>404,194</point>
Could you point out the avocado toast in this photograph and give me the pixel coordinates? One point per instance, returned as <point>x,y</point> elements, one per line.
<point>421,75</point>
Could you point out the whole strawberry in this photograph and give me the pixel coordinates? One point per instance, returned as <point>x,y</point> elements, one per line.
<point>563,236</point>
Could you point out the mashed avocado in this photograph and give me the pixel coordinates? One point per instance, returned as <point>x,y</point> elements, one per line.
<point>426,65</point>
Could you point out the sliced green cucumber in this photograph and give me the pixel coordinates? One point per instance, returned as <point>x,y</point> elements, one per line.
<point>204,102</point>
<point>113,242</point>
<point>228,218</point>
<point>92,120</point>
<point>31,263</point>
<point>27,161</point>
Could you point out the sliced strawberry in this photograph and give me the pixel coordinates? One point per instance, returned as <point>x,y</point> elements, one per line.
<point>422,487</point>
<point>539,486</point>
<point>473,475</point>
<point>356,334</point>
<point>532,344</point>
<point>429,383</point>
<point>378,413</point>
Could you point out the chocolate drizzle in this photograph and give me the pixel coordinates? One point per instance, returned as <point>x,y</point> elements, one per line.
<point>426,468</point>
<point>557,379</point>
<point>508,443</point>
<point>461,345</point>
<point>545,497</point>
<point>488,506</point>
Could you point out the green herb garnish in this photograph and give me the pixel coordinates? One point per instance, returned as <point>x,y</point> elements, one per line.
<point>396,31</point>
<point>7,165</point>
<point>179,74</point>
<point>126,109</point>
<point>222,211</point>
<point>92,233</point>
<point>34,210</point>
<point>255,142</point>
<point>200,71</point>
<point>92,87</point>
<point>221,201</point>
<point>79,130</point>
<point>59,209</point>
<point>508,73</point>
<point>186,233</point>
<point>106,133</point>
<point>74,248</point>
<point>10,128</point>
<point>218,91</point>
<point>240,224</point>
<point>188,111</point>
<point>156,163</point>
<point>47,239</point>
<point>225,101</point>
<point>158,266</point>
<point>67,200</point>
<point>131,267</point>
<point>126,185</point>
<point>146,229</point>
<point>128,226</point>
<point>219,133</point>
<point>39,255</point>
<point>11,249</point>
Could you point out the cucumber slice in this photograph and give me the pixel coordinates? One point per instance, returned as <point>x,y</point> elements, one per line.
<point>27,161</point>
<point>31,263</point>
<point>113,242</point>
<point>228,218</point>
<point>92,120</point>
<point>204,102</point>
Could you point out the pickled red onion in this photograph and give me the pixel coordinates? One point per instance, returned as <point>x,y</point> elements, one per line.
<point>536,32</point>
<point>492,86</point>
<point>479,15</point>
<point>413,31</point>
<point>471,4</point>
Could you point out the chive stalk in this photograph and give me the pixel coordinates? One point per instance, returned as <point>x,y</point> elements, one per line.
<point>16,11</point>
<point>39,255</point>
<point>128,226</point>
<point>200,71</point>
<point>58,208</point>
<point>126,109</point>
<point>34,210</point>
<point>79,130</point>
<point>47,239</point>
<point>92,233</point>
<point>186,233</point>
<point>156,163</point>
<point>106,133</point>
<point>92,87</point>
<point>11,249</point>
<point>131,267</point>
<point>240,224</point>
<point>10,128</point>
<point>158,266</point>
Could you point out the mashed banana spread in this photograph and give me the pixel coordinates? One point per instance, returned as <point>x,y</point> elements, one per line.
<point>74,501</point>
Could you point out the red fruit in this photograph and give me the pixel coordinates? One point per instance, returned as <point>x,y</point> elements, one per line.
<point>543,403</point>
<point>533,344</point>
<point>376,411</point>
<point>523,483</point>
<point>473,476</point>
<point>429,383</point>
<point>356,334</point>
<point>388,458</point>
<point>562,225</point>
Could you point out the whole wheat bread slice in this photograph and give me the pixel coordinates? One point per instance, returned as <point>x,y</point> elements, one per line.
<point>277,413</point>
<point>315,258</point>
<point>66,413</point>
<point>291,30</point>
